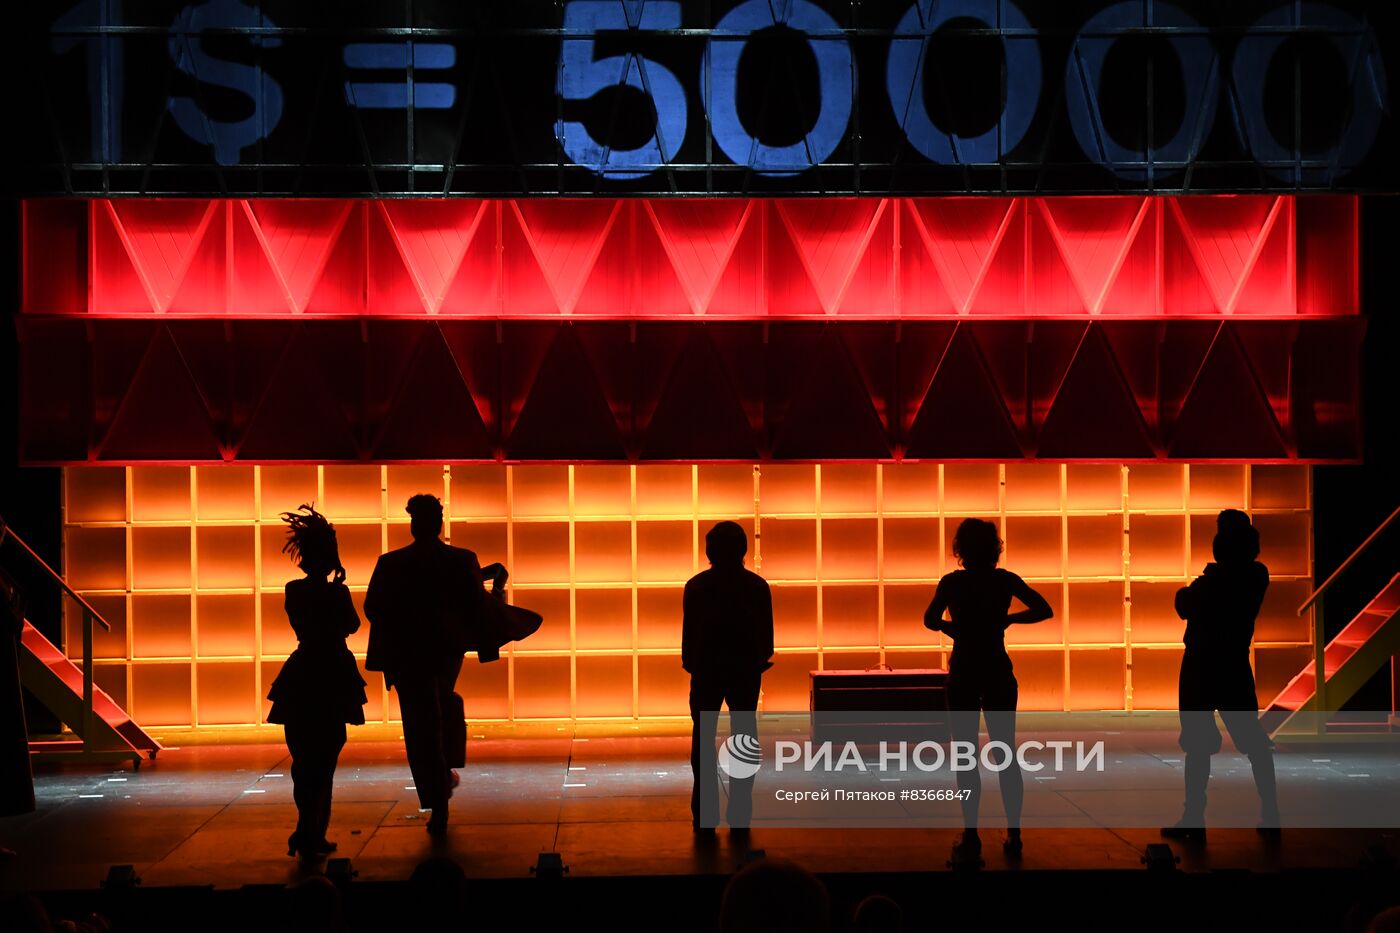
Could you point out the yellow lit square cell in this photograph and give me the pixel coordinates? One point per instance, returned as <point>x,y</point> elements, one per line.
<point>160,694</point>
<point>400,534</point>
<point>95,494</point>
<point>789,549</point>
<point>602,490</point>
<point>1032,487</point>
<point>360,547</point>
<point>226,625</point>
<point>604,685</point>
<point>910,487</point>
<point>787,685</point>
<point>540,490</point>
<point>485,690</point>
<point>666,551</point>
<point>911,549</point>
<point>111,680</point>
<point>1278,487</point>
<point>409,480</point>
<point>662,687</point>
<point>277,568</point>
<point>227,693</point>
<point>278,639</point>
<point>1096,545</point>
<point>225,556</point>
<point>1032,546</point>
<point>160,626</point>
<point>286,488</point>
<point>1156,672</point>
<point>1040,676</point>
<point>356,492</point>
<point>554,632</point>
<point>1096,679</point>
<point>1153,614</point>
<point>1094,486</point>
<point>1156,486</point>
<point>726,489</point>
<point>659,614</point>
<point>603,619</point>
<point>1278,618</point>
<point>788,489</point>
<point>1157,545</point>
<point>1284,542</point>
<point>1095,613</point>
<point>160,494</point>
<point>603,552</point>
<point>105,644</point>
<point>541,552</point>
<point>904,615</point>
<point>1049,632</point>
<point>664,490</point>
<point>1216,486</point>
<point>542,688</point>
<point>478,491</point>
<point>486,539</point>
<point>848,487</point>
<point>795,616</point>
<point>224,493</point>
<point>160,557</point>
<point>971,487</point>
<point>95,558</point>
<point>850,617</point>
<point>850,549</point>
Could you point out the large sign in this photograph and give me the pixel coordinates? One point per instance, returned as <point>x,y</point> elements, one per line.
<point>670,97</point>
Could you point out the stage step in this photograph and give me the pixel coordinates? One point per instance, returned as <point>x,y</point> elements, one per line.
<point>58,683</point>
<point>1349,660</point>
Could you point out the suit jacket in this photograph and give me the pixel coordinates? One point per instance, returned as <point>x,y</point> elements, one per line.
<point>425,602</point>
<point>727,627</point>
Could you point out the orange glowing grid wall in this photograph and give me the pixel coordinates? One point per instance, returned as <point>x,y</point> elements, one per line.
<point>186,564</point>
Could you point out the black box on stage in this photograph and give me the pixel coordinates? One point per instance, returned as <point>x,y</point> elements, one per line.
<point>880,703</point>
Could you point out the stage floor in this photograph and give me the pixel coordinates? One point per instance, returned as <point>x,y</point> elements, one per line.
<point>612,800</point>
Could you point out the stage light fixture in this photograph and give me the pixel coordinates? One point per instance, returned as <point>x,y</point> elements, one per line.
<point>549,865</point>
<point>1160,857</point>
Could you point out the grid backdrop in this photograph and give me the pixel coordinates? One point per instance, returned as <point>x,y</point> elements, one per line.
<point>186,565</point>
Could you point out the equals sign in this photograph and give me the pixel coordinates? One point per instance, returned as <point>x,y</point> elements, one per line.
<point>400,56</point>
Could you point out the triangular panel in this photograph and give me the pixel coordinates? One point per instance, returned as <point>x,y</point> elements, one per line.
<point>1095,414</point>
<point>963,415</point>
<point>433,236</point>
<point>432,415</point>
<point>565,237</point>
<point>699,237</point>
<point>163,416</point>
<point>698,414</point>
<point>828,412</point>
<point>831,236</point>
<point>1094,236</point>
<point>1226,415</point>
<point>566,415</point>
<point>162,237</point>
<point>297,236</point>
<point>961,234</point>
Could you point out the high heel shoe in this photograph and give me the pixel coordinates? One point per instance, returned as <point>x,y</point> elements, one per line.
<point>307,848</point>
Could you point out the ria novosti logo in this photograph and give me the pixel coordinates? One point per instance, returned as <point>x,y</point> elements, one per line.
<point>740,756</point>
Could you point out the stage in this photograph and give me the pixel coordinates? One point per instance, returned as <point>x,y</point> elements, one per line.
<point>612,799</point>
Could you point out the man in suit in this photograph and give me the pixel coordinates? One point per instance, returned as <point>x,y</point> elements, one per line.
<point>426,601</point>
<point>726,641</point>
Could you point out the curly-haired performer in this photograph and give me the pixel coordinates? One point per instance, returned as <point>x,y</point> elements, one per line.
<point>320,688</point>
<point>980,679</point>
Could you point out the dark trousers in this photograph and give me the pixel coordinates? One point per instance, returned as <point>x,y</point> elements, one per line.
<point>738,691</point>
<point>1208,684</point>
<point>434,731</point>
<point>995,697</point>
<point>315,747</point>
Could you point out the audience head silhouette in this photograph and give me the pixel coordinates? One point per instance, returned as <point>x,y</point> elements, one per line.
<point>726,544</point>
<point>1236,539</point>
<point>426,513</point>
<point>976,545</point>
<point>878,914</point>
<point>311,541</point>
<point>774,896</point>
<point>439,888</point>
<point>313,904</point>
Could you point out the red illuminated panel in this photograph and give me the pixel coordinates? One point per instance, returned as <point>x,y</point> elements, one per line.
<point>1263,255</point>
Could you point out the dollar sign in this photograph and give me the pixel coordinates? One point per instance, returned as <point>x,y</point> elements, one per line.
<point>228,137</point>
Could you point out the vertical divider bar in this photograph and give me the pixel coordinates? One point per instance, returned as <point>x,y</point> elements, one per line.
<point>88,735</point>
<point>192,494</point>
<point>940,499</point>
<point>880,555</point>
<point>818,570</point>
<point>257,598</point>
<point>1064,583</point>
<point>573,602</point>
<point>510,588</point>
<point>632,553</point>
<point>1125,489</point>
<point>130,588</point>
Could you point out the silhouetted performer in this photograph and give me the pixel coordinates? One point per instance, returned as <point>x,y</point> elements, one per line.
<point>424,602</point>
<point>726,643</point>
<point>16,778</point>
<point>319,689</point>
<point>980,678</point>
<point>1220,607</point>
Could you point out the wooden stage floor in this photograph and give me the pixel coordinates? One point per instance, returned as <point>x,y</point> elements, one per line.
<point>613,800</point>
